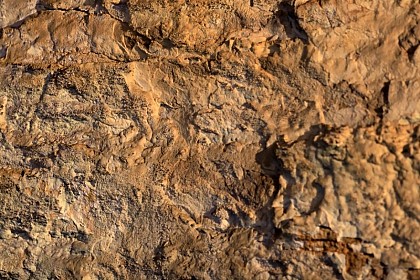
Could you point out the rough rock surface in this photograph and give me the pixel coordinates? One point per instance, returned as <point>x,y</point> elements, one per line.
<point>156,139</point>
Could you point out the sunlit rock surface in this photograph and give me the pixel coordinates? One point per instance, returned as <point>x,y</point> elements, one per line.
<point>209,139</point>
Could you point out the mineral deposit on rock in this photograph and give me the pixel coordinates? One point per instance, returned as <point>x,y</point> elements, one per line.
<point>157,139</point>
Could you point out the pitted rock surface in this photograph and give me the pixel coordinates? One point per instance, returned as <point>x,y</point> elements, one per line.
<point>209,139</point>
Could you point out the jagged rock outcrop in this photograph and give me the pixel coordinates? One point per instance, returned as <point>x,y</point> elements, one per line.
<point>209,139</point>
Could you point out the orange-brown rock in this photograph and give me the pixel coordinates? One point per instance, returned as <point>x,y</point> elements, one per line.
<point>209,139</point>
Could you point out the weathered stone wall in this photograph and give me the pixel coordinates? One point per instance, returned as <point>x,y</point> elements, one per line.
<point>209,139</point>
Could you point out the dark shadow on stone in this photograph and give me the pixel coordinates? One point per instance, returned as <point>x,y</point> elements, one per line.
<point>288,18</point>
<point>319,197</point>
<point>122,10</point>
<point>267,159</point>
<point>167,43</point>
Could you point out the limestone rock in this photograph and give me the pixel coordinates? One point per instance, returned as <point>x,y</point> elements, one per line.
<point>209,139</point>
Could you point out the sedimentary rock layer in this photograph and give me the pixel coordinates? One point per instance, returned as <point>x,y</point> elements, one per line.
<point>209,139</point>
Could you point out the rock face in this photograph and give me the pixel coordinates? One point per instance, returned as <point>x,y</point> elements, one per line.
<point>210,139</point>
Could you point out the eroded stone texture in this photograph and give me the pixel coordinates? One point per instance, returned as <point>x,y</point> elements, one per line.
<point>209,139</point>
